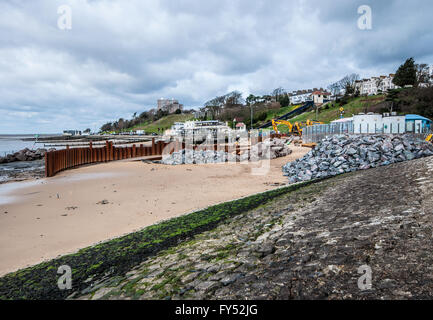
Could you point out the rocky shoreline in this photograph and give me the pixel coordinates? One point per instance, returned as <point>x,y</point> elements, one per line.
<point>25,155</point>
<point>22,170</point>
<point>23,165</point>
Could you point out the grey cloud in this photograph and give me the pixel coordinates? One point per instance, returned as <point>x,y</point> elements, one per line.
<point>120,56</point>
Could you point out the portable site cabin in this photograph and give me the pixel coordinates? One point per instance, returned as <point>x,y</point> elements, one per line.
<point>393,124</point>
<point>417,124</point>
<point>377,123</point>
<point>390,123</point>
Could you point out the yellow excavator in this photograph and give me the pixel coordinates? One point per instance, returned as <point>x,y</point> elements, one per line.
<point>295,128</point>
<point>313,122</point>
<point>429,138</point>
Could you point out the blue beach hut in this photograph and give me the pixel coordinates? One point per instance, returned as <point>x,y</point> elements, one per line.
<point>417,124</point>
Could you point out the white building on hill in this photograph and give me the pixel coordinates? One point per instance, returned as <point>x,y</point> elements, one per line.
<point>319,97</point>
<point>303,96</point>
<point>300,98</point>
<point>375,85</point>
<point>199,130</point>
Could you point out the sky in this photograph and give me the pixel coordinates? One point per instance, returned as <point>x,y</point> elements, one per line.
<point>118,57</point>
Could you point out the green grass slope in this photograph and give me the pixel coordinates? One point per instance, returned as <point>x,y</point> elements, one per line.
<point>163,123</point>
<point>332,111</point>
<point>275,113</point>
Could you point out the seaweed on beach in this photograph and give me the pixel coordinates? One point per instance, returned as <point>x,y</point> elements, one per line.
<point>115,257</point>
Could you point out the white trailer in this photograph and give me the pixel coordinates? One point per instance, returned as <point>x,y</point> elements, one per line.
<point>376,123</point>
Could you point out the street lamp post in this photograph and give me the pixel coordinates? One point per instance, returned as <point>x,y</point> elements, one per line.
<point>251,107</point>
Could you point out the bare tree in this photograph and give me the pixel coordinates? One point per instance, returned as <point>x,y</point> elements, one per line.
<point>233,99</point>
<point>229,100</point>
<point>218,101</point>
<point>422,73</point>
<point>348,83</point>
<point>277,93</point>
<point>334,88</point>
<point>214,111</point>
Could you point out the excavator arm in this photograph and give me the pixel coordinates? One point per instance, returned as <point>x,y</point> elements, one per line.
<point>313,122</point>
<point>295,128</point>
<point>275,124</point>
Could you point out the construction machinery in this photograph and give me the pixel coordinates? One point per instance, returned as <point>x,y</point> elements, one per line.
<point>429,138</point>
<point>313,122</point>
<point>294,112</point>
<point>296,127</point>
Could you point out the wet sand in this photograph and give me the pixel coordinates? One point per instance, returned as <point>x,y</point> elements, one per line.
<point>42,219</point>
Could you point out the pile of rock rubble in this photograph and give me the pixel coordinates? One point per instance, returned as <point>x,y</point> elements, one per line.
<point>188,156</point>
<point>346,153</point>
<point>268,149</point>
<point>24,155</point>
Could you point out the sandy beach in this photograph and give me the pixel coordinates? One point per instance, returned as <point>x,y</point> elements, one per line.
<point>42,219</point>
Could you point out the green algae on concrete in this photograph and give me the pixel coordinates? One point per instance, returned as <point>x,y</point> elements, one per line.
<point>115,257</point>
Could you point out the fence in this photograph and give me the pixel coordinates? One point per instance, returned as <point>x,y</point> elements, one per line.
<point>56,161</point>
<point>316,133</point>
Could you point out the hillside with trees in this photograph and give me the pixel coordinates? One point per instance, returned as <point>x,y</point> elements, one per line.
<point>415,96</point>
<point>232,106</point>
<point>145,121</point>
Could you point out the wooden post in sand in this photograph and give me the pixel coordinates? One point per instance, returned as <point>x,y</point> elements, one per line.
<point>153,147</point>
<point>107,150</point>
<point>91,152</point>
<point>46,165</point>
<point>160,147</point>
<point>128,152</point>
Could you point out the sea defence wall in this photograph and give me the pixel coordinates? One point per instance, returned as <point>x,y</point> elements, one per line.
<point>59,160</point>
